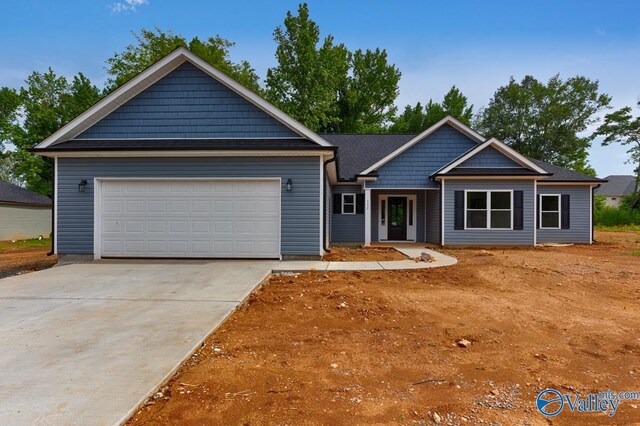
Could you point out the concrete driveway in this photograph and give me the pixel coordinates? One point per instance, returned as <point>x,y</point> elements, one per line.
<point>85,343</point>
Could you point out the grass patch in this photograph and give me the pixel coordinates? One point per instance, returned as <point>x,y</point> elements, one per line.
<point>25,244</point>
<point>634,252</point>
<point>618,228</point>
<point>617,216</point>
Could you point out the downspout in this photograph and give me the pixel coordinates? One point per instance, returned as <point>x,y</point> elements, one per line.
<point>593,212</point>
<point>53,208</point>
<point>324,205</point>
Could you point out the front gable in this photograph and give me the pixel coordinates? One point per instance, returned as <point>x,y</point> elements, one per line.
<point>490,157</point>
<point>187,103</point>
<point>412,168</point>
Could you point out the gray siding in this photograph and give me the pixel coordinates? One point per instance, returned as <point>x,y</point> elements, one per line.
<point>433,217</point>
<point>420,211</point>
<point>187,103</point>
<point>24,222</point>
<point>412,168</point>
<point>489,236</point>
<point>579,207</point>
<point>300,207</point>
<point>490,157</point>
<point>347,228</point>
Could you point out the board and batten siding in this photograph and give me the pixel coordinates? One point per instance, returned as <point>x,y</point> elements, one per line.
<point>412,168</point>
<point>489,237</point>
<point>21,222</point>
<point>490,157</point>
<point>420,211</point>
<point>433,217</point>
<point>187,103</point>
<point>300,208</point>
<point>347,228</point>
<point>579,215</point>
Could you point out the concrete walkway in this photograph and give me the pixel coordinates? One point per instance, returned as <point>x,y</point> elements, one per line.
<point>85,343</point>
<point>389,265</point>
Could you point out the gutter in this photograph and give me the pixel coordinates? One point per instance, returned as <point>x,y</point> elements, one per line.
<point>324,204</point>
<point>54,225</point>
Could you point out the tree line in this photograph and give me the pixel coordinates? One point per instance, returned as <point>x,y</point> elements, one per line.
<point>329,88</point>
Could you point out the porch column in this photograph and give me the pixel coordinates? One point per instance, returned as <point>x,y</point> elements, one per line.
<point>367,217</point>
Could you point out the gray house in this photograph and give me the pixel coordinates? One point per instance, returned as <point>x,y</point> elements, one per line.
<point>23,214</point>
<point>616,188</point>
<point>183,161</point>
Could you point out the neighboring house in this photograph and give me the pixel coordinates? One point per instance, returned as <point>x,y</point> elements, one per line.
<point>617,187</point>
<point>183,161</point>
<point>23,214</point>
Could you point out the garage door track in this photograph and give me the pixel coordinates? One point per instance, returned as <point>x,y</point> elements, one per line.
<point>85,343</point>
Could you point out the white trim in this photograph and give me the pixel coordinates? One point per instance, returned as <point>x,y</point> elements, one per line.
<point>489,177</point>
<point>425,216</point>
<point>321,206</point>
<point>442,194</point>
<point>97,198</point>
<point>183,153</point>
<point>154,73</point>
<point>342,203</point>
<point>543,183</point>
<point>559,197</point>
<point>404,189</point>
<point>503,148</point>
<point>535,212</point>
<point>367,217</point>
<point>383,230</point>
<point>489,192</point>
<point>194,138</point>
<point>447,120</point>
<point>54,225</point>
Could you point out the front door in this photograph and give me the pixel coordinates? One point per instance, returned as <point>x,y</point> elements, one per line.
<point>397,219</point>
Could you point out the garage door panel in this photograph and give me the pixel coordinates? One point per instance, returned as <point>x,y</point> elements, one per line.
<point>164,218</point>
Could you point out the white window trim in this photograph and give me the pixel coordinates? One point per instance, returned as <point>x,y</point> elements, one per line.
<point>488,209</point>
<point>354,203</point>
<point>383,228</point>
<point>559,211</point>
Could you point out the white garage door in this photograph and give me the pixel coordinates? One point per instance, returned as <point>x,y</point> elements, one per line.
<point>189,218</point>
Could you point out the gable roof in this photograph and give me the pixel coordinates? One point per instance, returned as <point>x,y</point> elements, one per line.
<point>13,194</point>
<point>499,146</point>
<point>448,120</point>
<point>154,73</point>
<point>356,152</point>
<point>618,185</point>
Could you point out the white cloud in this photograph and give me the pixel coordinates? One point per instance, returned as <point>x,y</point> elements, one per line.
<point>127,6</point>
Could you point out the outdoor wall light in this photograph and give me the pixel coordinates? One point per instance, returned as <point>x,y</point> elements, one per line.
<point>289,185</point>
<point>82,185</point>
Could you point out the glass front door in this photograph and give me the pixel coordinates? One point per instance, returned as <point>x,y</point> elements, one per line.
<point>397,219</point>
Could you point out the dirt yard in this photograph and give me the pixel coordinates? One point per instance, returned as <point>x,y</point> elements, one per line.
<point>353,254</point>
<point>24,256</point>
<point>381,347</point>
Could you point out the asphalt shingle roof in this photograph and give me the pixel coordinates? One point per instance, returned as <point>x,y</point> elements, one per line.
<point>618,185</point>
<point>560,174</point>
<point>357,152</point>
<point>10,193</point>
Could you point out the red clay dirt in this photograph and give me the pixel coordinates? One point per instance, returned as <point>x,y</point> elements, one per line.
<point>15,262</point>
<point>380,347</point>
<point>353,254</point>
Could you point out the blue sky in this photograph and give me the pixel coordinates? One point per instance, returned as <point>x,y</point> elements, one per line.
<point>475,45</point>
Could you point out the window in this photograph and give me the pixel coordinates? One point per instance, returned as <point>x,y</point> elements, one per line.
<point>348,203</point>
<point>383,211</point>
<point>550,211</point>
<point>410,212</point>
<point>489,209</point>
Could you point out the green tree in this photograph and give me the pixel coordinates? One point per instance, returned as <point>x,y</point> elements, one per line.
<point>305,82</point>
<point>47,102</point>
<point>621,127</point>
<point>546,121</point>
<point>9,106</point>
<point>153,45</point>
<point>416,119</point>
<point>324,85</point>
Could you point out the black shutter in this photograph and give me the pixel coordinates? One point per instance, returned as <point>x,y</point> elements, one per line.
<point>518,213</point>
<point>359,203</point>
<point>337,203</point>
<point>538,211</point>
<point>458,207</point>
<point>565,212</point>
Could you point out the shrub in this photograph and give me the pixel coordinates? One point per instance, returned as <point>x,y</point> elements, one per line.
<point>612,216</point>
